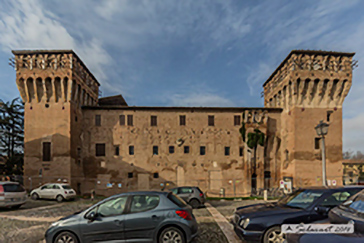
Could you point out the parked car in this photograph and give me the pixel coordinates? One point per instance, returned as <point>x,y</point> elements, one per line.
<point>262,222</point>
<point>192,195</point>
<point>12,194</point>
<point>56,191</point>
<point>130,217</point>
<point>351,211</point>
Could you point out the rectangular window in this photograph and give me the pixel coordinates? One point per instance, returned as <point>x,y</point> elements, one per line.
<point>171,149</point>
<point>130,175</point>
<point>153,120</point>
<point>46,151</point>
<point>155,175</point>
<point>187,149</point>
<point>211,121</point>
<point>227,151</point>
<point>317,143</point>
<point>130,120</point>
<point>131,150</point>
<point>122,120</point>
<point>100,149</point>
<point>202,150</point>
<point>117,152</point>
<point>182,120</point>
<point>78,152</point>
<point>155,150</point>
<point>241,151</point>
<point>237,120</point>
<point>98,120</point>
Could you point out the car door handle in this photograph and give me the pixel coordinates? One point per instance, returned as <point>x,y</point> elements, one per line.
<point>118,222</point>
<point>155,217</point>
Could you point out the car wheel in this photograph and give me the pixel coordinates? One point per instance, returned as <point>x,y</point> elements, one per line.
<point>66,237</point>
<point>194,203</point>
<point>172,234</point>
<point>274,235</point>
<point>35,196</point>
<point>59,198</point>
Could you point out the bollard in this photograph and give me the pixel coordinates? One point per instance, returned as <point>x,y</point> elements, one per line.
<point>265,195</point>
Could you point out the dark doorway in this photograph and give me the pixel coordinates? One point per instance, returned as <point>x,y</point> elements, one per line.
<point>254,184</point>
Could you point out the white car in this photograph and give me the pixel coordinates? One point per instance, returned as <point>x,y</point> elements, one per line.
<point>56,191</point>
<point>12,194</point>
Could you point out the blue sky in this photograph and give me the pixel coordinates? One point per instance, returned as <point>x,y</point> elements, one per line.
<point>187,53</point>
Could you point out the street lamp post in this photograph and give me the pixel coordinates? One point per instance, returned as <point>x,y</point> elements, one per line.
<point>321,130</point>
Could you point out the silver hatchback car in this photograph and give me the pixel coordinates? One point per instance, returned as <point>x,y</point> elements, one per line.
<point>12,194</point>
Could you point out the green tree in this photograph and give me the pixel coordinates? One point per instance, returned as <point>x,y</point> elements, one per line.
<point>254,139</point>
<point>12,134</point>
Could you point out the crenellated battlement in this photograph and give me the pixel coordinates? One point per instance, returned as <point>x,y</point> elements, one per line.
<point>46,76</point>
<point>310,79</point>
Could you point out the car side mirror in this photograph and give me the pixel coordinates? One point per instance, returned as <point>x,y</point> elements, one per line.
<point>92,216</point>
<point>322,210</point>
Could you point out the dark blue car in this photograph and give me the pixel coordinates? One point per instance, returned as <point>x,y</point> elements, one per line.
<point>262,222</point>
<point>129,217</point>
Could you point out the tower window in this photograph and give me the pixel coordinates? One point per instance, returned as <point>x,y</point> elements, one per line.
<point>202,150</point>
<point>122,120</point>
<point>153,120</point>
<point>155,150</point>
<point>211,121</point>
<point>171,149</point>
<point>131,150</point>
<point>182,120</point>
<point>100,149</point>
<point>186,149</point>
<point>117,150</point>
<point>328,114</point>
<point>241,151</point>
<point>130,120</point>
<point>237,121</point>
<point>317,143</point>
<point>98,120</point>
<point>46,151</point>
<point>227,151</point>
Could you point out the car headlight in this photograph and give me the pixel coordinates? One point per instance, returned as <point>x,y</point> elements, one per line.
<point>244,223</point>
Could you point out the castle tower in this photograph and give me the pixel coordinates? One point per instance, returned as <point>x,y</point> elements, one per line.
<point>310,86</point>
<point>53,85</point>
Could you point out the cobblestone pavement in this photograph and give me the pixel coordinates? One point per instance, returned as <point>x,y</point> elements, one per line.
<point>227,207</point>
<point>30,224</point>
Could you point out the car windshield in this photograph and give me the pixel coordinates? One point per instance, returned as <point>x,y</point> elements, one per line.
<point>301,198</point>
<point>66,187</point>
<point>356,204</point>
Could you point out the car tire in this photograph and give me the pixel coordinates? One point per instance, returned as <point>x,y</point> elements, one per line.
<point>35,196</point>
<point>194,203</point>
<point>59,198</point>
<point>274,235</point>
<point>66,236</point>
<point>171,234</point>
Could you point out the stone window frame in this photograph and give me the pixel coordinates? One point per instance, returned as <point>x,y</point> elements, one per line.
<point>237,120</point>
<point>130,120</point>
<point>182,120</point>
<point>155,150</point>
<point>122,120</point>
<point>227,151</point>
<point>186,149</point>
<point>153,121</point>
<point>100,149</point>
<point>44,157</point>
<point>171,149</point>
<point>202,150</point>
<point>211,120</point>
<point>98,120</point>
<point>131,150</point>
